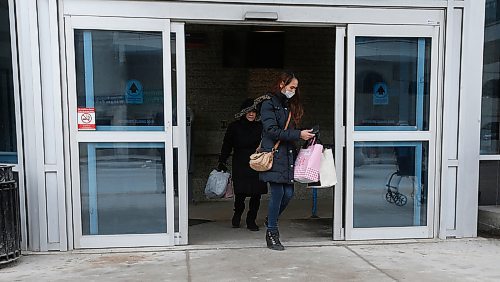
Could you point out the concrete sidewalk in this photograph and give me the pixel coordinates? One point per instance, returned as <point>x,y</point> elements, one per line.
<point>428,260</point>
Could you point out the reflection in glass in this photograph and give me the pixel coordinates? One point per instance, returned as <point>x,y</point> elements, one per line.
<point>490,108</point>
<point>176,189</point>
<point>489,183</point>
<point>173,61</point>
<point>122,188</point>
<point>8,141</point>
<point>390,184</point>
<point>120,74</point>
<point>392,83</point>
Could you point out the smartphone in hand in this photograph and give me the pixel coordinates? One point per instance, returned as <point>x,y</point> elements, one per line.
<point>315,130</point>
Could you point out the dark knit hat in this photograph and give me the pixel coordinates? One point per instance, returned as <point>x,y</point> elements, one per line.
<point>247,105</point>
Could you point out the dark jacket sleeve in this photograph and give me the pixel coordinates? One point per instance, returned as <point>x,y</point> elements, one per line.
<point>271,127</point>
<point>227,144</point>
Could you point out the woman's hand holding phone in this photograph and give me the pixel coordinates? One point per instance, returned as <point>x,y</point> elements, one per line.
<point>306,134</point>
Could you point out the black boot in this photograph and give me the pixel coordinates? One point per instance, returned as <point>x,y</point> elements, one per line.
<point>252,213</point>
<point>273,241</point>
<point>235,221</point>
<point>252,226</point>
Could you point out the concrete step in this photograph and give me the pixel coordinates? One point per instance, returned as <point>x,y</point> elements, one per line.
<point>489,219</point>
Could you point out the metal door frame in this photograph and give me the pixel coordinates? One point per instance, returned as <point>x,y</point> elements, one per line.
<point>165,137</point>
<point>429,31</point>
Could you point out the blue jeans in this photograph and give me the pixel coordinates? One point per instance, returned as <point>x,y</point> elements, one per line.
<point>281,194</point>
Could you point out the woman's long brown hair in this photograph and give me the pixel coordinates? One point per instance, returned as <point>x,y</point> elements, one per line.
<point>295,104</point>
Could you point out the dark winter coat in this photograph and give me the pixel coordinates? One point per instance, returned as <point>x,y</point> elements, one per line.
<point>243,137</point>
<point>274,114</point>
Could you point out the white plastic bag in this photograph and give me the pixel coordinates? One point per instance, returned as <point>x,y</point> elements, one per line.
<point>216,184</point>
<point>327,172</point>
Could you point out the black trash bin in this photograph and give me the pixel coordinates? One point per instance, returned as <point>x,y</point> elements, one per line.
<point>10,222</point>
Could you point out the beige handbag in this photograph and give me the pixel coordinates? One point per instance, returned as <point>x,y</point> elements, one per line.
<point>263,161</point>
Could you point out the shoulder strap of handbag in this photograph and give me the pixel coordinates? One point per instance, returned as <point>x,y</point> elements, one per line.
<point>286,126</point>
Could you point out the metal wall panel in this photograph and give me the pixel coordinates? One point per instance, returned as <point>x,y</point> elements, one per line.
<point>469,118</point>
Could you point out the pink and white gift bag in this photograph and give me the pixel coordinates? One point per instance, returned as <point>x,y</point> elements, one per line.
<point>308,163</point>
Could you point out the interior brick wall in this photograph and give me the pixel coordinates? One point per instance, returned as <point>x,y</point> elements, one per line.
<point>215,92</point>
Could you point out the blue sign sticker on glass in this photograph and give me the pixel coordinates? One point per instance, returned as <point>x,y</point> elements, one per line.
<point>134,93</point>
<point>380,94</point>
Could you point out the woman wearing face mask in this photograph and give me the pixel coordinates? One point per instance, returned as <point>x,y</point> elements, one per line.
<point>242,137</point>
<point>285,100</point>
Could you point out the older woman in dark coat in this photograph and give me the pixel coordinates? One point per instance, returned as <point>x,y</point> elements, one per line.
<point>243,137</point>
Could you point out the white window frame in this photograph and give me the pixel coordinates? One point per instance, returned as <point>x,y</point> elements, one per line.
<point>76,137</point>
<point>339,133</point>
<point>429,136</point>
<point>180,134</point>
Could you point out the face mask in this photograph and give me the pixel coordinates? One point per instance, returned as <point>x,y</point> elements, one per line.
<point>289,94</point>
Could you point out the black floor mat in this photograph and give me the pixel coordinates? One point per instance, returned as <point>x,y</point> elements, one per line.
<point>317,227</point>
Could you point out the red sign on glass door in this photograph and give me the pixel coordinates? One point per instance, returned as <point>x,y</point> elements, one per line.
<point>86,118</point>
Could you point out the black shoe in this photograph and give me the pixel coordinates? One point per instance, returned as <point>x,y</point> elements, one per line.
<point>252,226</point>
<point>235,221</point>
<point>273,241</point>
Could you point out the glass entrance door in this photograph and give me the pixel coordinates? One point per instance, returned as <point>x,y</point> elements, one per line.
<point>123,119</point>
<point>391,129</point>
